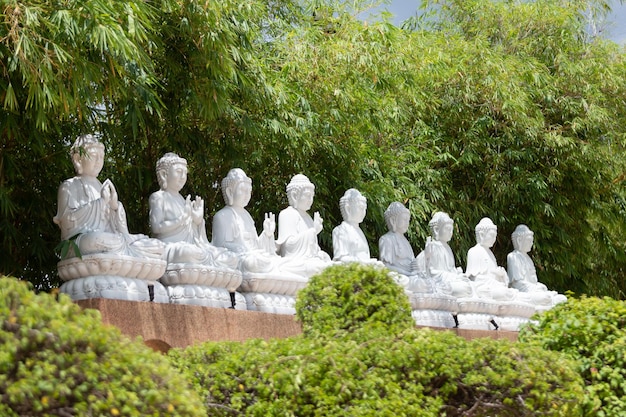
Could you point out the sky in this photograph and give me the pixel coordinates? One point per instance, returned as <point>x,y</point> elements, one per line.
<point>615,27</point>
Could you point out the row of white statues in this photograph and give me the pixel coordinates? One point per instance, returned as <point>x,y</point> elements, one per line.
<point>246,270</point>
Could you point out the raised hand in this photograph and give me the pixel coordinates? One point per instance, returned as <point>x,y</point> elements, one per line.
<point>318,223</point>
<point>269,224</point>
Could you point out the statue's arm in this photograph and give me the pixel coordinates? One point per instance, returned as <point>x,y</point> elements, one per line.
<point>385,250</point>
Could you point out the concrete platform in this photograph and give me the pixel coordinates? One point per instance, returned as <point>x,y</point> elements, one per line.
<point>163,326</point>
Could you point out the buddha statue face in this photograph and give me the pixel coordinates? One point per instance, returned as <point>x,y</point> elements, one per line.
<point>353,206</point>
<point>442,227</point>
<point>237,188</point>
<point>87,156</point>
<point>176,177</point>
<point>523,238</point>
<point>300,192</point>
<point>397,218</point>
<point>171,172</point>
<point>486,233</point>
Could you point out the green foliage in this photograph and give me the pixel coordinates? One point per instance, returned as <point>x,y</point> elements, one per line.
<point>592,331</point>
<point>345,298</point>
<point>58,360</point>
<point>412,373</point>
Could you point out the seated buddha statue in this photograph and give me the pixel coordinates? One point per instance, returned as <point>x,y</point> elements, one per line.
<point>349,242</point>
<point>440,263</point>
<point>90,212</point>
<point>297,231</point>
<point>521,268</point>
<point>396,253</point>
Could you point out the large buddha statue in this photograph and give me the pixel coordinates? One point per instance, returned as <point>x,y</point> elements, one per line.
<point>198,272</point>
<point>349,242</point>
<point>93,223</point>
<point>521,268</point>
<point>297,231</point>
<point>440,263</point>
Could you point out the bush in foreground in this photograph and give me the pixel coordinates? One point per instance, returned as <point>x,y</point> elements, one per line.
<point>592,331</point>
<point>373,364</point>
<point>58,360</point>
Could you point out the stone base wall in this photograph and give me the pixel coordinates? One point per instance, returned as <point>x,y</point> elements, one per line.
<point>163,326</point>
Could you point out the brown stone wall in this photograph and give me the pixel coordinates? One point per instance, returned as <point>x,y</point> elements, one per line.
<point>174,325</point>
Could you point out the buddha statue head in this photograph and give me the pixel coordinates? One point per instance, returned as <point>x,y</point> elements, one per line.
<point>397,217</point>
<point>486,232</point>
<point>171,171</point>
<point>353,206</point>
<point>237,188</point>
<point>87,155</point>
<point>300,192</point>
<point>522,238</point>
<point>441,226</point>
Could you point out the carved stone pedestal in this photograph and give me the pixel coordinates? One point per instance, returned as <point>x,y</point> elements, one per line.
<point>113,276</point>
<point>435,310</point>
<point>271,303</point>
<point>201,285</point>
<point>115,288</point>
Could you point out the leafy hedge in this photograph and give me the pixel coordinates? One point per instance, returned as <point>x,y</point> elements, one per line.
<point>348,297</point>
<point>592,331</point>
<point>373,364</point>
<point>58,360</point>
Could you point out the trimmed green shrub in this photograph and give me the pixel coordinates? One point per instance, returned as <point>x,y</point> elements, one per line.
<point>362,356</point>
<point>59,360</point>
<point>344,298</point>
<point>418,372</point>
<point>593,331</point>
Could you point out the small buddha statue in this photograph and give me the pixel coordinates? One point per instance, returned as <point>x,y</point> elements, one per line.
<point>521,268</point>
<point>396,252</point>
<point>297,231</point>
<point>179,221</point>
<point>90,212</point>
<point>349,242</point>
<point>440,263</point>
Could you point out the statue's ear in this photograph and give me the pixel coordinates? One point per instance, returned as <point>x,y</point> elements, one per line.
<point>162,177</point>
<point>78,166</point>
<point>228,192</point>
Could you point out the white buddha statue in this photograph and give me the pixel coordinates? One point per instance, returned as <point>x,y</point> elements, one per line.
<point>521,268</point>
<point>349,242</point>
<point>179,221</point>
<point>396,253</point>
<point>440,263</point>
<point>297,231</point>
<point>104,259</point>
<point>90,211</point>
